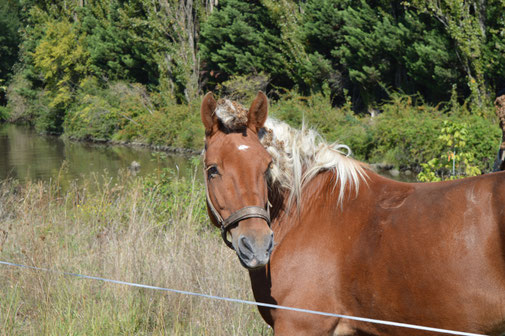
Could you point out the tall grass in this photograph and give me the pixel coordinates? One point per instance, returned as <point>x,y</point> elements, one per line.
<point>151,231</point>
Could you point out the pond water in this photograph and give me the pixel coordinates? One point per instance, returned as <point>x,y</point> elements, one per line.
<point>26,155</point>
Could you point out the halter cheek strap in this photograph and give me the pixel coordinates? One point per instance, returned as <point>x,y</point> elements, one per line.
<point>241,214</point>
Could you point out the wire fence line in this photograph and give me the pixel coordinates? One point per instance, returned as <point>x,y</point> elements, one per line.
<point>260,304</point>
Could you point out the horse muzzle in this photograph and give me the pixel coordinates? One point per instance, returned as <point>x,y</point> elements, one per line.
<point>254,250</point>
<point>252,238</point>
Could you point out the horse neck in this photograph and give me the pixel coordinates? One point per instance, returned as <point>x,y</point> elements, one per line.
<point>320,196</point>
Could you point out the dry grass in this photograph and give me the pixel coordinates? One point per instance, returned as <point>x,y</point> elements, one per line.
<point>132,231</point>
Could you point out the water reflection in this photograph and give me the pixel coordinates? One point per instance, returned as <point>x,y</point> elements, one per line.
<point>25,155</point>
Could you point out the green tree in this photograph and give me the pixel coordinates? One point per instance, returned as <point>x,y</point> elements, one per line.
<point>457,162</point>
<point>379,46</point>
<point>173,37</point>
<point>9,42</point>
<point>494,51</point>
<point>9,38</point>
<point>309,71</point>
<point>62,61</point>
<point>472,26</point>
<point>114,33</point>
<point>241,38</point>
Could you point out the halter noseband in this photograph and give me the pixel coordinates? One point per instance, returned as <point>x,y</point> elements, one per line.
<point>241,214</point>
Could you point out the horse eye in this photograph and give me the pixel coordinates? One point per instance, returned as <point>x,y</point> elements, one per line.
<point>269,167</point>
<point>212,172</point>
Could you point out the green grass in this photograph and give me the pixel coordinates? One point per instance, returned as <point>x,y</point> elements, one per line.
<point>119,231</point>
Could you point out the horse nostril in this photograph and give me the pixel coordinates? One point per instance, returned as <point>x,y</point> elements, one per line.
<point>271,244</point>
<point>246,244</point>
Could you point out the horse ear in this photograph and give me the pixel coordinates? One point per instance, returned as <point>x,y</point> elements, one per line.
<point>207,112</point>
<point>258,112</point>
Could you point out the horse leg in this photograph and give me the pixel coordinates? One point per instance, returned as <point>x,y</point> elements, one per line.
<point>344,328</point>
<point>291,323</point>
<point>301,325</point>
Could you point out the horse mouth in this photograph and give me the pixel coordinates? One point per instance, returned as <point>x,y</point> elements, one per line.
<point>254,263</point>
<point>252,256</point>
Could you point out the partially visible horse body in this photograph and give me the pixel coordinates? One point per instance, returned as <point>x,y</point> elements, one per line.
<point>348,241</point>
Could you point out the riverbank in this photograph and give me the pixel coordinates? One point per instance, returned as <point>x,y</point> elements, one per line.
<point>135,144</point>
<point>404,132</point>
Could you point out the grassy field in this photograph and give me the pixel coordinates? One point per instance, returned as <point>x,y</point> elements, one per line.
<point>151,231</point>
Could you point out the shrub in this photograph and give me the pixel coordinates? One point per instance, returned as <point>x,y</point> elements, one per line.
<point>172,125</point>
<point>457,161</point>
<point>4,113</point>
<point>99,114</point>
<point>244,87</point>
<point>21,99</point>
<point>407,135</point>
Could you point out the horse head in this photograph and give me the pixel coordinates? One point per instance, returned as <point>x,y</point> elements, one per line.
<point>236,167</point>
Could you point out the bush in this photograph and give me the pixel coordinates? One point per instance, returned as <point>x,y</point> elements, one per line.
<point>334,124</point>
<point>244,87</point>
<point>99,114</point>
<point>171,125</point>
<point>458,160</point>
<point>21,99</point>
<point>4,113</point>
<point>128,112</point>
<point>406,133</point>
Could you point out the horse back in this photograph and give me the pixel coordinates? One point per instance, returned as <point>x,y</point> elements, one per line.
<point>431,254</point>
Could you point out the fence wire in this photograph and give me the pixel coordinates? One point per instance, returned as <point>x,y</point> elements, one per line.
<point>260,304</point>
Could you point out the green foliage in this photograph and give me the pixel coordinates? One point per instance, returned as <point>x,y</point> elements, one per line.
<point>9,38</point>
<point>243,88</point>
<point>171,125</point>
<point>405,134</point>
<point>494,50</point>
<point>132,70</point>
<point>177,192</point>
<point>321,20</point>
<point>468,24</point>
<point>376,45</point>
<point>369,51</point>
<point>335,124</point>
<point>4,114</point>
<point>429,58</point>
<point>459,160</point>
<point>241,38</point>
<point>23,100</point>
<point>62,60</point>
<point>127,112</point>
<point>139,41</point>
<point>113,32</point>
<point>99,114</point>
<point>173,40</point>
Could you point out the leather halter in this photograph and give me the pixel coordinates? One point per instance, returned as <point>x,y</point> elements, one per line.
<point>241,214</point>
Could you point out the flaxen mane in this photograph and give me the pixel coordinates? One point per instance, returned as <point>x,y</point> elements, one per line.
<point>297,155</point>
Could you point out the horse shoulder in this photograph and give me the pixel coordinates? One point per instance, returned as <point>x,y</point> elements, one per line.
<point>393,195</point>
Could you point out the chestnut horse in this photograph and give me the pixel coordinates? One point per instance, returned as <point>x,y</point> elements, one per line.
<point>320,231</point>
